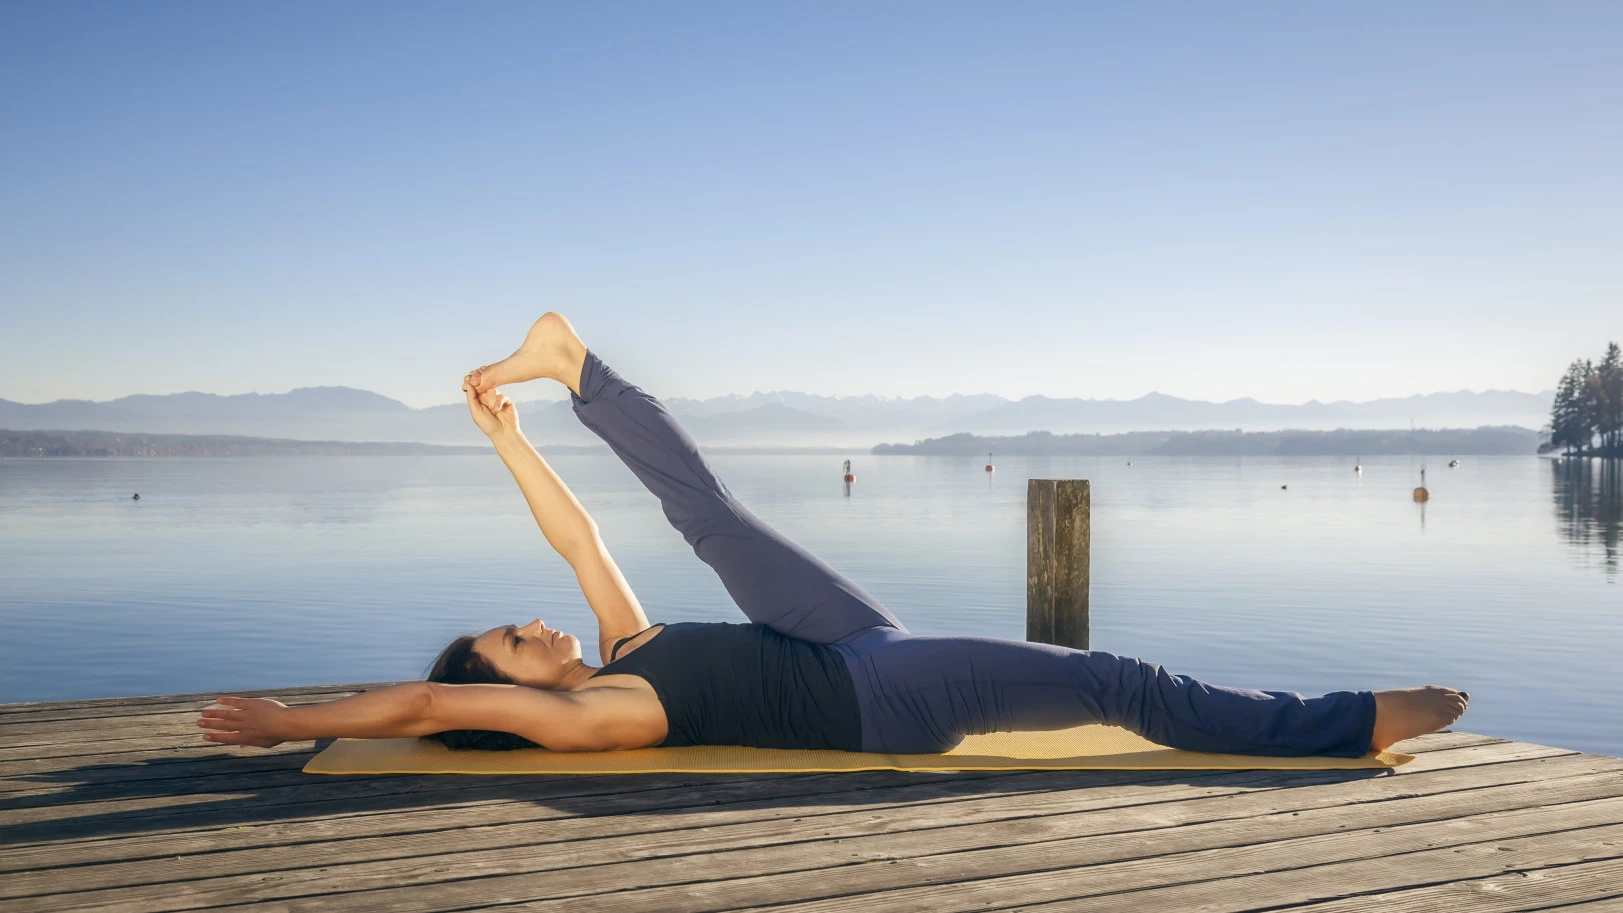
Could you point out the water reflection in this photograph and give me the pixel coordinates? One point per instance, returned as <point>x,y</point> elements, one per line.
<point>1589,506</point>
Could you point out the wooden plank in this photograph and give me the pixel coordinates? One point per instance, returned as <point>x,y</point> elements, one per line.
<point>1058,528</point>
<point>1608,869</point>
<point>401,795</point>
<point>113,747</point>
<point>24,761</point>
<point>179,722</point>
<point>188,698</point>
<point>22,771</point>
<point>1508,859</point>
<point>909,829</point>
<point>109,781</point>
<point>165,705</point>
<point>221,779</point>
<point>709,804</point>
<point>343,796</point>
<point>620,811</point>
<point>265,787</point>
<point>123,772</point>
<point>1588,887</point>
<point>578,842</point>
<point>320,796</point>
<point>1140,876</point>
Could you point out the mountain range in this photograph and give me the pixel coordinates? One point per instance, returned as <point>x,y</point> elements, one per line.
<point>763,419</point>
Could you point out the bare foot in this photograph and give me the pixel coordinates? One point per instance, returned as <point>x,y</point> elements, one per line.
<point>1409,712</point>
<point>551,349</point>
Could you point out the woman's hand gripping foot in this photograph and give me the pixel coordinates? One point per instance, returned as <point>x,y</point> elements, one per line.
<point>551,349</point>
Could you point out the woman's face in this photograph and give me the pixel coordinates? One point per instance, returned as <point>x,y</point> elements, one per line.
<point>533,655</point>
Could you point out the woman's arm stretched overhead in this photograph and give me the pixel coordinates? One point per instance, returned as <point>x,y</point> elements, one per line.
<point>563,521</point>
<point>393,712</point>
<point>598,719</point>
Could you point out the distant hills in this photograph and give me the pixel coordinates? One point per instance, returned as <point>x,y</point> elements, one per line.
<point>115,444</point>
<point>1503,440</point>
<point>1343,442</point>
<point>139,444</point>
<point>760,419</point>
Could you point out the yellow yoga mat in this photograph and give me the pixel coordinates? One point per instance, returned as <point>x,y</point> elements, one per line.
<point>1091,747</point>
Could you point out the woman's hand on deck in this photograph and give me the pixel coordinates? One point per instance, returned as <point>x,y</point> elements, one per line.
<point>256,721</point>
<point>493,412</point>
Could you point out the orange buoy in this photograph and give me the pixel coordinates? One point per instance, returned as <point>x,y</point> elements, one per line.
<point>848,476</point>
<point>989,462</point>
<point>1421,494</point>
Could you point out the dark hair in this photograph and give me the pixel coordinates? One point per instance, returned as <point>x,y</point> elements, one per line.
<point>460,664</point>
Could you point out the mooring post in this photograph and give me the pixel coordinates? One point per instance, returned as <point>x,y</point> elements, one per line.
<point>1057,532</point>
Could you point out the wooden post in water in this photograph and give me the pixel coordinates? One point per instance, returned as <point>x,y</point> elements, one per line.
<point>1057,533</point>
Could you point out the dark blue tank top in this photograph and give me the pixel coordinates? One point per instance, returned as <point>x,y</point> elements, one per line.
<point>745,684</point>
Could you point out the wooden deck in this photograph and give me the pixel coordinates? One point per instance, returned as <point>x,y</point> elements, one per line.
<point>119,805</point>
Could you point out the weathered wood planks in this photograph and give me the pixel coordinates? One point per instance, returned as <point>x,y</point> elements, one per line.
<point>173,823</point>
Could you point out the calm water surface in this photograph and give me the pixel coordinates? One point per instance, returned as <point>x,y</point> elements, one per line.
<point>269,572</point>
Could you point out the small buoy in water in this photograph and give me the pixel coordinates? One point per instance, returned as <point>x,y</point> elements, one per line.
<point>1421,494</point>
<point>1453,463</point>
<point>1358,466</point>
<point>989,463</point>
<point>848,476</point>
<point>137,496</point>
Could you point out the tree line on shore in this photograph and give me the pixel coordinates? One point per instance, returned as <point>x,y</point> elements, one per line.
<point>1586,418</point>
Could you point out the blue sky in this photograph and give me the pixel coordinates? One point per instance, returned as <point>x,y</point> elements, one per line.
<point>1279,200</point>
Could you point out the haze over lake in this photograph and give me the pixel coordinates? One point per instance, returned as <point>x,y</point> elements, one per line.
<point>274,572</point>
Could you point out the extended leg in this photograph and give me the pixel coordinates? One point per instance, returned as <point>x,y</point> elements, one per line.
<point>774,581</point>
<point>926,693</point>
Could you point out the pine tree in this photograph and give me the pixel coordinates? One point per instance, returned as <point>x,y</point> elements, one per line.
<point>1608,392</point>
<point>1587,420</point>
<point>1567,427</point>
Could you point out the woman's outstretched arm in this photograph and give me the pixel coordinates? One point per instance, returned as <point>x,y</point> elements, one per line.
<point>397,711</point>
<point>574,534</point>
<point>564,522</point>
<point>601,719</point>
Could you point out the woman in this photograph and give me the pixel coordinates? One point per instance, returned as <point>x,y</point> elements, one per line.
<point>821,665</point>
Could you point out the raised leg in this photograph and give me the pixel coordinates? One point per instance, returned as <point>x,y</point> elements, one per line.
<point>773,580</point>
<point>924,693</point>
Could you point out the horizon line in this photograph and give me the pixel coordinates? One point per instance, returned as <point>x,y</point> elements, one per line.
<point>834,396</point>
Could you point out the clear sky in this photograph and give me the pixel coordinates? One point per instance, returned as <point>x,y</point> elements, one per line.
<point>1281,200</point>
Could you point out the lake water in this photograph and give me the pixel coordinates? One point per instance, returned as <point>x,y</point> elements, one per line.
<point>233,574</point>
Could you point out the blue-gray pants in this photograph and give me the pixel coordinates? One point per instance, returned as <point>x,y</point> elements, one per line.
<point>920,693</point>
